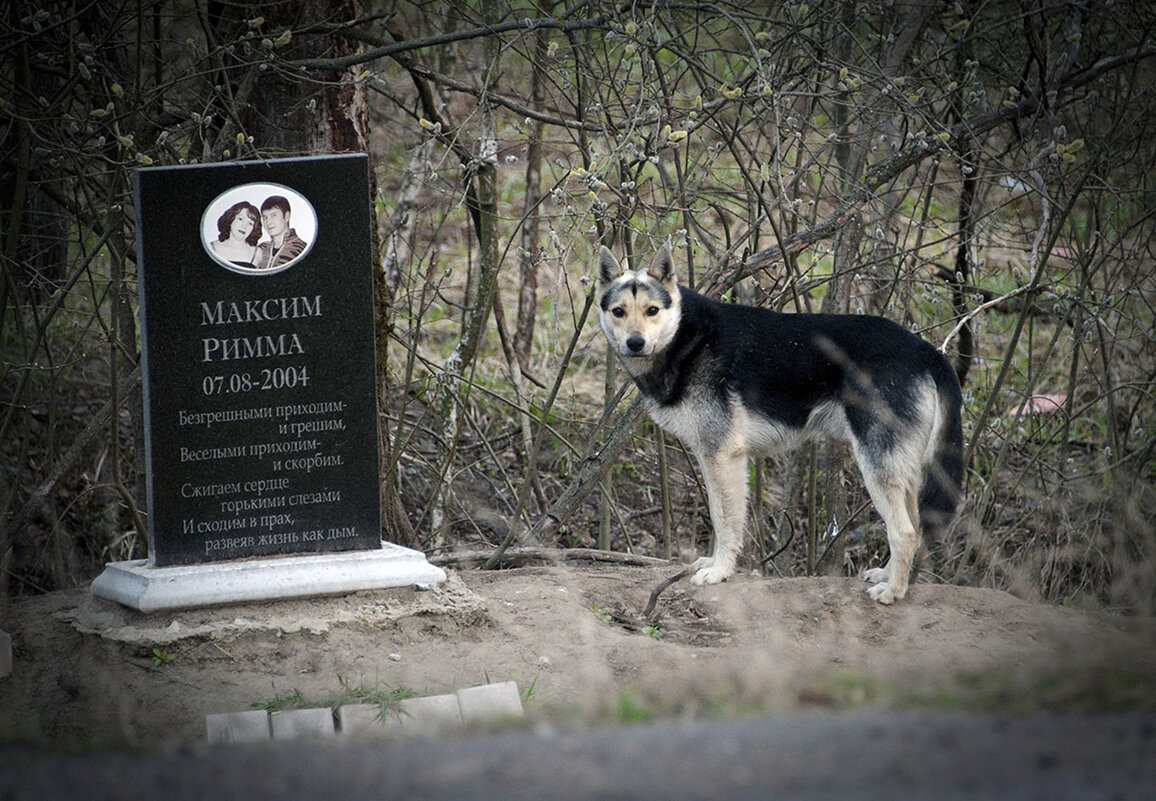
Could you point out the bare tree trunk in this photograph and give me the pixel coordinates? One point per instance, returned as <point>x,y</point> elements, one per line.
<point>528,294</point>
<point>829,461</point>
<point>961,274</point>
<point>327,113</point>
<point>324,112</point>
<point>482,201</point>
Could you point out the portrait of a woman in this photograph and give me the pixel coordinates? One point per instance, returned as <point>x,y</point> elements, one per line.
<point>238,231</point>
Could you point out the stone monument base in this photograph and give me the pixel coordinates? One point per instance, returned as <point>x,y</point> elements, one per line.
<point>139,585</point>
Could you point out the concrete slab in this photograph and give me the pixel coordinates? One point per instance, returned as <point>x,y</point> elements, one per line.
<point>429,714</point>
<point>302,724</point>
<point>365,720</point>
<point>139,585</point>
<point>490,703</point>
<point>238,727</point>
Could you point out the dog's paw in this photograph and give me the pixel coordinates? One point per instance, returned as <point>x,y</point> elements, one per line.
<point>881,593</point>
<point>875,575</point>
<point>702,563</point>
<point>710,574</point>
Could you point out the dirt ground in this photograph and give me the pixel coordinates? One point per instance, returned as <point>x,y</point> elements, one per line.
<point>86,670</point>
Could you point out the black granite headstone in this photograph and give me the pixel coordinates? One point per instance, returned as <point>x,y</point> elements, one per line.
<point>256,295</point>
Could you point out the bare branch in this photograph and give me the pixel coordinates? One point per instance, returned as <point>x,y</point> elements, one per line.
<point>397,48</point>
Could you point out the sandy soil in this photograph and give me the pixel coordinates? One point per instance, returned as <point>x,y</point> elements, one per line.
<point>573,639</point>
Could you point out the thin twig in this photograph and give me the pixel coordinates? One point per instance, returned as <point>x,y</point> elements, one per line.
<point>984,307</point>
<point>659,590</point>
<point>783,547</point>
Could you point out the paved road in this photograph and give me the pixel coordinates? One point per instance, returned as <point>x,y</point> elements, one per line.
<point>859,756</point>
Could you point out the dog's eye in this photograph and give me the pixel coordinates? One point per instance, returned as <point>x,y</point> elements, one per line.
<point>651,311</point>
<point>618,312</point>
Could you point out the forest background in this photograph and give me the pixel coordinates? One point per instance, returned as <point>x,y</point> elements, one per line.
<point>978,171</point>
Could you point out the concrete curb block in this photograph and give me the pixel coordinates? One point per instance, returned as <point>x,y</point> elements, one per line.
<point>302,724</point>
<point>365,720</point>
<point>490,702</point>
<point>428,715</point>
<point>238,727</point>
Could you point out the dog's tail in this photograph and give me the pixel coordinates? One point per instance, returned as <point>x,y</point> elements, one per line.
<point>943,475</point>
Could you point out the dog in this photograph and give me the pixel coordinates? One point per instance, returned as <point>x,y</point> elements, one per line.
<point>734,381</point>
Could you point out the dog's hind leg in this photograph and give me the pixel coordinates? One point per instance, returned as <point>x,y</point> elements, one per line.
<point>725,475</point>
<point>897,506</point>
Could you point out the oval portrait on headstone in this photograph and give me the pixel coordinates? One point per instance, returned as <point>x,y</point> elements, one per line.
<point>258,228</point>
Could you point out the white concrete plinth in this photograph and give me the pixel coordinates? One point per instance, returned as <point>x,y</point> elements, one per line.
<point>140,585</point>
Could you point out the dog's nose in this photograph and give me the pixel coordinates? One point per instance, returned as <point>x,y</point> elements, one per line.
<point>635,343</point>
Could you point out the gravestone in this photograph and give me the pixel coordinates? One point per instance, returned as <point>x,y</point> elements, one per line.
<point>260,400</point>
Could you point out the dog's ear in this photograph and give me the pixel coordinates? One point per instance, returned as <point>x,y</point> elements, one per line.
<point>662,268</point>
<point>608,268</point>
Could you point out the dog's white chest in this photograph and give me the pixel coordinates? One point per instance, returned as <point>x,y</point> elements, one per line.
<point>684,420</point>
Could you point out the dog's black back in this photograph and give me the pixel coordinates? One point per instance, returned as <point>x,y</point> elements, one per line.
<point>786,366</point>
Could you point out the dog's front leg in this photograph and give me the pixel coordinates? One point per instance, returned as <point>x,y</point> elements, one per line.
<point>899,509</point>
<point>725,474</point>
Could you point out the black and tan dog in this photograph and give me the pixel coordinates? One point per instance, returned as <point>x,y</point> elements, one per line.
<point>735,381</point>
